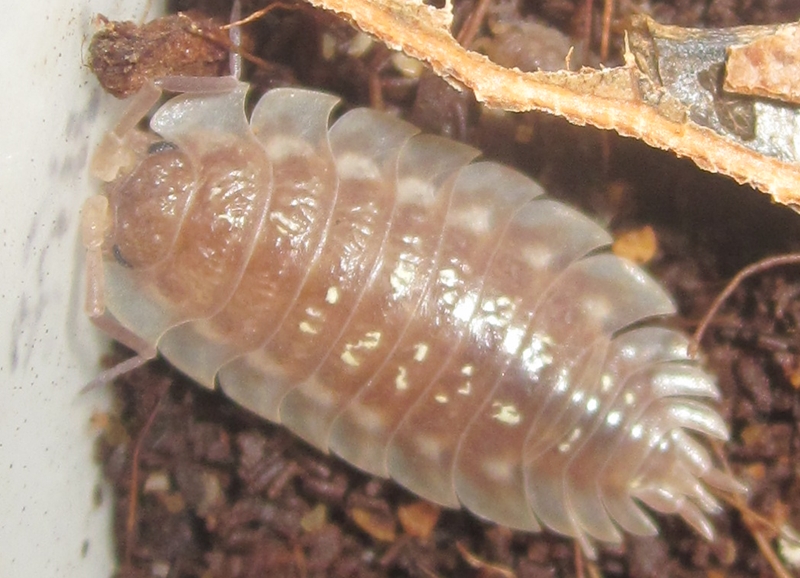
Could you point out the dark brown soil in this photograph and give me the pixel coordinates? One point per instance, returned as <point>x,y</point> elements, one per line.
<point>221,493</point>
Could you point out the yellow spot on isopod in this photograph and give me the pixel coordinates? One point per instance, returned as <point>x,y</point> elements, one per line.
<point>441,398</point>
<point>513,339</point>
<point>282,147</point>
<point>350,359</point>
<point>562,382</point>
<point>332,296</point>
<point>476,220</point>
<point>496,312</point>
<point>506,413</point>
<point>420,351</point>
<point>465,308</point>
<point>357,167</point>
<point>538,256</point>
<point>235,221</point>
<point>367,417</point>
<point>537,356</point>
<point>598,307</point>
<point>413,191</point>
<point>498,469</point>
<point>429,446</point>
<point>468,370</point>
<point>448,277</point>
<point>400,382</point>
<point>306,327</point>
<point>401,278</point>
<point>370,341</point>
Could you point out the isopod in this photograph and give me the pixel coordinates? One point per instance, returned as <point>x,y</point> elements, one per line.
<point>385,296</point>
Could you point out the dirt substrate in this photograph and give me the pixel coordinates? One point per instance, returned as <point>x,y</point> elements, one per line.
<point>221,493</point>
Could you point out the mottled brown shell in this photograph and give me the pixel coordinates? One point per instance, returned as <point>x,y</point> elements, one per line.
<point>424,316</point>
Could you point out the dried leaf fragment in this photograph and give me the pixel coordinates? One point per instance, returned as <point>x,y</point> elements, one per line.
<point>638,245</point>
<point>418,519</point>
<point>767,67</point>
<point>628,99</point>
<point>315,519</point>
<point>377,525</point>
<point>691,66</point>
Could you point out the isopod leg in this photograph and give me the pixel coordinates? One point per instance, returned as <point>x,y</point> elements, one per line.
<point>197,84</point>
<point>115,149</point>
<point>236,40</point>
<point>95,221</point>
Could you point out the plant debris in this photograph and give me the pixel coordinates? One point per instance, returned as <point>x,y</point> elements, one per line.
<point>626,99</point>
<point>124,55</point>
<point>694,67</point>
<point>768,66</point>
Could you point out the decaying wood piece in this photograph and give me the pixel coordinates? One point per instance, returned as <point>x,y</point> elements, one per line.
<point>124,55</point>
<point>624,99</point>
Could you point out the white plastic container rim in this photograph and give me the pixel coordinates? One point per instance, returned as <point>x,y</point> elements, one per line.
<point>53,113</point>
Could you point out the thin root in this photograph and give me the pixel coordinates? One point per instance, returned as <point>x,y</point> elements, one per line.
<point>758,267</point>
<point>473,24</point>
<point>608,12</point>
<point>133,501</point>
<point>579,573</point>
<point>259,13</point>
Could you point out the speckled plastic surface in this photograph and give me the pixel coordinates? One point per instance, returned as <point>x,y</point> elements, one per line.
<point>54,511</point>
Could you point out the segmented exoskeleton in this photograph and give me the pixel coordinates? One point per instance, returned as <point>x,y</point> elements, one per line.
<point>423,315</point>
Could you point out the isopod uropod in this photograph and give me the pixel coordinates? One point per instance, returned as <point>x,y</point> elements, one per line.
<point>388,298</point>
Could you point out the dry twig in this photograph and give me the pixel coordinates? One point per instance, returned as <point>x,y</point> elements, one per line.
<point>623,99</point>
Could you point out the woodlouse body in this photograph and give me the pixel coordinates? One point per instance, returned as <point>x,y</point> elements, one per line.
<point>426,317</point>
